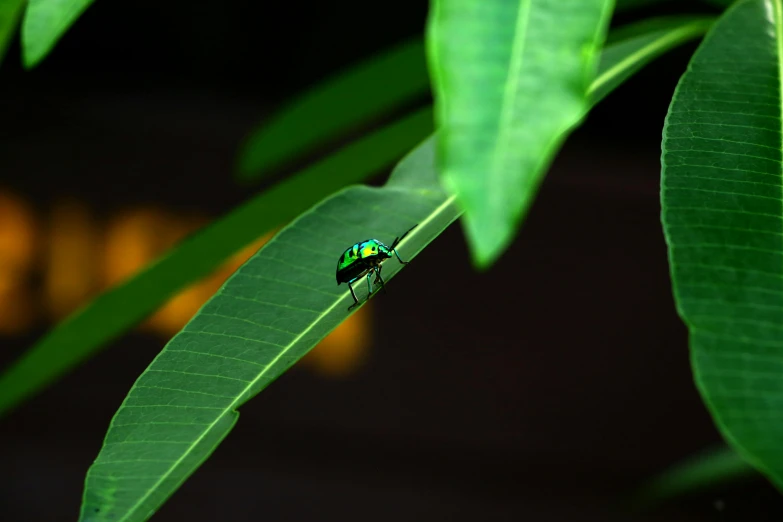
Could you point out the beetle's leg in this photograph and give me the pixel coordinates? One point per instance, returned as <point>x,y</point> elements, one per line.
<point>379,278</point>
<point>369,283</point>
<point>398,257</point>
<point>355,301</point>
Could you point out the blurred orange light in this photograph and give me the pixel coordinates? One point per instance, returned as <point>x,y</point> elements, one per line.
<point>72,259</point>
<point>344,350</point>
<point>177,311</point>
<point>132,239</point>
<point>18,234</point>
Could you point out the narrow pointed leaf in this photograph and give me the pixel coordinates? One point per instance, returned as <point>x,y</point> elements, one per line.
<point>119,309</point>
<point>124,306</point>
<point>511,79</point>
<point>372,88</point>
<point>45,22</point>
<point>636,45</point>
<point>274,309</point>
<point>268,314</point>
<point>722,212</point>
<point>9,17</point>
<point>704,470</point>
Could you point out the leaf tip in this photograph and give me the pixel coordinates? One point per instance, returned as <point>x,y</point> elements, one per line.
<point>31,55</point>
<point>487,240</point>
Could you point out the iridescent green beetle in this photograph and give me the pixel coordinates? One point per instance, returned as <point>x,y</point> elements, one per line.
<point>365,258</point>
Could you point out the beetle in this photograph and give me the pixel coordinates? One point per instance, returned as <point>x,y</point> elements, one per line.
<point>365,258</point>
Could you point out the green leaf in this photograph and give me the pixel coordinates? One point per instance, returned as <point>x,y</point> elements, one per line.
<point>635,45</point>
<point>9,16</point>
<point>722,212</point>
<point>271,312</point>
<point>268,314</point>
<point>699,472</point>
<point>511,79</point>
<point>121,308</point>
<point>45,22</point>
<point>373,88</point>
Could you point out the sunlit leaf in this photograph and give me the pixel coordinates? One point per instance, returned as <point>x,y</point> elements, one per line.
<point>122,307</point>
<point>373,88</point>
<point>511,79</point>
<point>274,309</point>
<point>370,89</point>
<point>45,22</point>
<point>722,198</point>
<point>119,309</point>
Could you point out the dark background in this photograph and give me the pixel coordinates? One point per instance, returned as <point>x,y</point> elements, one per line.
<point>542,390</point>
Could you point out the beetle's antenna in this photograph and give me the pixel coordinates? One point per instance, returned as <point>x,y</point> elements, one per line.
<point>397,240</point>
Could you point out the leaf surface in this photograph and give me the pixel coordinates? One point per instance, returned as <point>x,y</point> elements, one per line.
<point>722,212</point>
<point>635,45</point>
<point>9,16</point>
<point>372,88</point>
<point>45,22</point>
<point>271,312</point>
<point>124,306</point>
<point>511,79</point>
<point>268,314</point>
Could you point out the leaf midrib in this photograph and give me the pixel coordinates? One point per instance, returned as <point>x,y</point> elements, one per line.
<point>236,402</point>
<point>512,83</point>
<point>606,76</point>
<point>778,22</point>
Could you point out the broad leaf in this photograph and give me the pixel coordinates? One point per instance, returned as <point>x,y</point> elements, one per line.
<point>511,79</point>
<point>373,88</point>
<point>119,309</point>
<point>393,78</point>
<point>722,199</point>
<point>45,22</point>
<point>9,16</point>
<point>271,312</point>
<point>268,314</point>
<point>122,307</point>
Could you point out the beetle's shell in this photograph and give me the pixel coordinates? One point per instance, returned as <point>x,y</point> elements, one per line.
<point>360,258</point>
